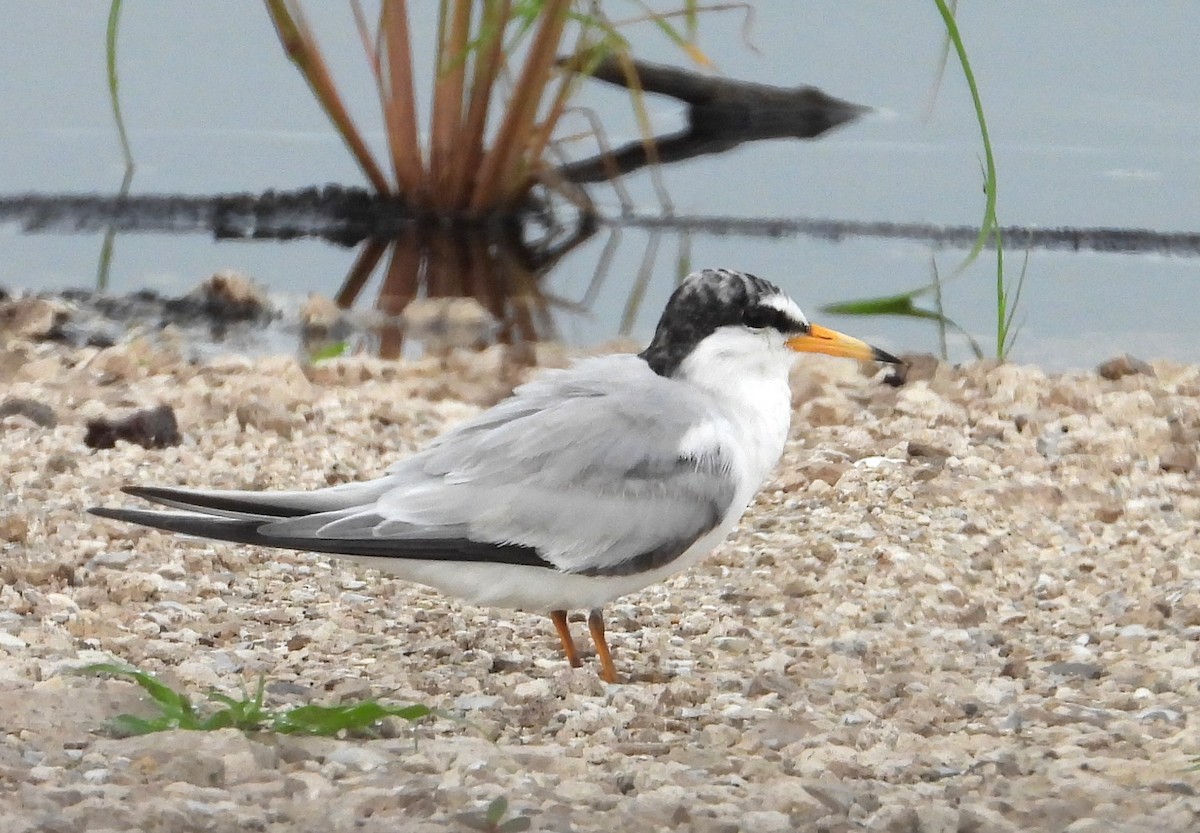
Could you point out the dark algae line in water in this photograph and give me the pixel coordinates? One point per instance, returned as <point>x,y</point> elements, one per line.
<point>348,216</point>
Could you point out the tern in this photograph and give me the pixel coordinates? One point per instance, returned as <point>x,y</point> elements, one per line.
<point>586,484</point>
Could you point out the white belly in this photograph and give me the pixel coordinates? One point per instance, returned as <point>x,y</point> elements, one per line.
<point>540,589</point>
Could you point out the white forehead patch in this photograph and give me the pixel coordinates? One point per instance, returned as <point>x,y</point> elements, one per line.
<point>785,305</point>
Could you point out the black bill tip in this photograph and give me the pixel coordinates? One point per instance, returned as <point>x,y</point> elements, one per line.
<point>884,356</point>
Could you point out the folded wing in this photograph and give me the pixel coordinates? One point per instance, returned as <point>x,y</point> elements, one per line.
<point>582,471</point>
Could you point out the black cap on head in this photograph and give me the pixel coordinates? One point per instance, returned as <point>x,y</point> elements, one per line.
<point>706,301</point>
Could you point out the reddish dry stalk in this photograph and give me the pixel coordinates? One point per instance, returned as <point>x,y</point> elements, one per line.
<point>399,102</point>
<point>356,278</point>
<point>446,122</point>
<point>522,291</point>
<point>500,163</point>
<point>468,151</point>
<point>486,273</point>
<point>300,45</point>
<point>476,270</point>
<point>399,287</point>
<point>541,137</point>
<point>529,164</point>
<point>442,278</point>
<point>369,43</point>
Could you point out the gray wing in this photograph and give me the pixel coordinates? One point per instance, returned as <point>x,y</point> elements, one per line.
<point>588,470</point>
<point>585,467</point>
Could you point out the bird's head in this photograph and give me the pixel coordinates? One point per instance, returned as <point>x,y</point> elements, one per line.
<point>740,319</point>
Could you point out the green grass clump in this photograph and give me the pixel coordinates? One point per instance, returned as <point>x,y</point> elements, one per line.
<point>176,711</point>
<point>1007,296</point>
<point>334,350</point>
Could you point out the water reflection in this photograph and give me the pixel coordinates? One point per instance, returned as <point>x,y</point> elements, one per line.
<point>507,266</point>
<point>427,265</point>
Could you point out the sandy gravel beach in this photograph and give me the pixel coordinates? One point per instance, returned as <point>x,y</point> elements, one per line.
<point>967,604</point>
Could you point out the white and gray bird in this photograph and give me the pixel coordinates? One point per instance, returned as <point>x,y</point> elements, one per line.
<point>586,484</point>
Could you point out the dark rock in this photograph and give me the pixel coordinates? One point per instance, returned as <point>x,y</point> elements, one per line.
<point>1122,366</point>
<point>152,428</point>
<point>1016,668</point>
<point>225,298</point>
<point>1179,787</point>
<point>36,412</point>
<point>933,452</point>
<point>101,340</point>
<point>914,367</point>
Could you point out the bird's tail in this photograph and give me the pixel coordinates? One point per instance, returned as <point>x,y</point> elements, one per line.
<point>306,521</point>
<point>263,506</point>
<point>240,517</point>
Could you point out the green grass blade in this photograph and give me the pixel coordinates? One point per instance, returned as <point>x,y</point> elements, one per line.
<point>901,305</point>
<point>329,720</point>
<point>104,266</point>
<point>685,41</point>
<point>496,810</point>
<point>943,348</point>
<point>989,213</point>
<point>110,54</point>
<point>1011,332</point>
<point>333,350</point>
<point>939,74</point>
<point>224,699</point>
<point>126,725</point>
<point>168,699</point>
<point>222,719</point>
<point>247,714</point>
<point>1002,311</point>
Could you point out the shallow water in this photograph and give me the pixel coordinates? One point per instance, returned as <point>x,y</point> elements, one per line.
<point>1094,112</point>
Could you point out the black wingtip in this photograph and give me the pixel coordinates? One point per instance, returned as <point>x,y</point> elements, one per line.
<point>201,501</point>
<point>247,532</point>
<point>132,516</point>
<point>151,493</point>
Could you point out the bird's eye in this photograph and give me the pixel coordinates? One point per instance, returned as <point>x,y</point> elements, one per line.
<point>757,318</point>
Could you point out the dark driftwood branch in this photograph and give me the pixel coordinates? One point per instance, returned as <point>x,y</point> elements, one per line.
<point>722,114</point>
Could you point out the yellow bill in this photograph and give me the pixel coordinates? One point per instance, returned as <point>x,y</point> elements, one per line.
<point>820,339</point>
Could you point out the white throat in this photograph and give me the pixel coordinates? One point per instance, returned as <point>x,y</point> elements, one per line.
<point>732,357</point>
<point>746,375</point>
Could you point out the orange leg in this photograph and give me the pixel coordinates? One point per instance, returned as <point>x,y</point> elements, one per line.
<point>608,671</point>
<point>559,617</point>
